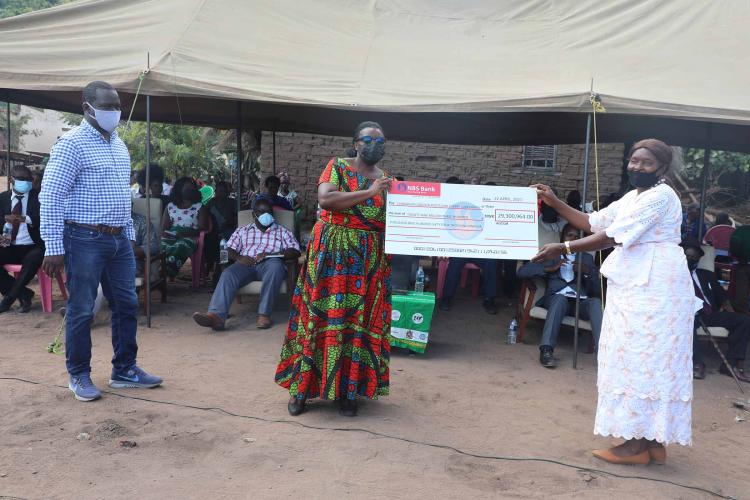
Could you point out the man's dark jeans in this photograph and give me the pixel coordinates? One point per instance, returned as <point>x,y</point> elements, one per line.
<point>92,257</point>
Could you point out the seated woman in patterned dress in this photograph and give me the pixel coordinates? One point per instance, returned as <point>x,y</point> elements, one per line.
<point>336,345</point>
<point>183,220</point>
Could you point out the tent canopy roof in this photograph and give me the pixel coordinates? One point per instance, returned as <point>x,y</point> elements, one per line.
<point>481,72</point>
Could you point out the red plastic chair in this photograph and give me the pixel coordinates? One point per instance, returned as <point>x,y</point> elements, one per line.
<point>468,268</point>
<point>196,260</point>
<point>45,285</point>
<point>718,237</point>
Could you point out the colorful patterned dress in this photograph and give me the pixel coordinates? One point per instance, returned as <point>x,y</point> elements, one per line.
<point>336,344</point>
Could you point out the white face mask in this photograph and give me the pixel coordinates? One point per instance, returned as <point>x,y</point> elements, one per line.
<point>107,120</point>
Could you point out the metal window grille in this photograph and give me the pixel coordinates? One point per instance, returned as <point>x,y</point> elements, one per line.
<point>539,157</point>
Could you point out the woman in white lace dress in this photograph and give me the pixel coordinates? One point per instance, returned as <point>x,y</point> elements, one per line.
<point>645,350</point>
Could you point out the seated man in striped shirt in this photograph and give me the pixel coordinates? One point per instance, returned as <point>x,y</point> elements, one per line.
<point>259,251</point>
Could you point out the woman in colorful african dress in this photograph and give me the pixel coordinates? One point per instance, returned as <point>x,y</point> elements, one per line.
<point>645,375</point>
<point>183,220</point>
<point>336,345</point>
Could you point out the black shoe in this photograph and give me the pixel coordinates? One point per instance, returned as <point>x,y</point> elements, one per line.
<point>296,407</point>
<point>489,306</point>
<point>25,300</point>
<point>546,356</point>
<point>445,304</point>
<point>6,303</point>
<point>348,407</point>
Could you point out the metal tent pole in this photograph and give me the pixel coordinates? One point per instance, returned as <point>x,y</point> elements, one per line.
<point>7,150</point>
<point>704,181</point>
<point>274,152</point>
<point>238,167</point>
<point>147,190</point>
<point>578,258</point>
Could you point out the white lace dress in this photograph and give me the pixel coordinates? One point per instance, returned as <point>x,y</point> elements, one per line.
<point>645,377</point>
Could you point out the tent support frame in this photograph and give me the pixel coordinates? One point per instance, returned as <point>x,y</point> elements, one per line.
<point>583,198</point>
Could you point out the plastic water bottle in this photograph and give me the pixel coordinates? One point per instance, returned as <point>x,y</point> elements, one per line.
<point>223,252</point>
<point>7,230</point>
<point>419,282</point>
<point>512,331</point>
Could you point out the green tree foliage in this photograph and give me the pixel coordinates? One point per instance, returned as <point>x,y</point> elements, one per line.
<point>18,122</point>
<point>206,153</point>
<point>721,162</point>
<point>9,8</point>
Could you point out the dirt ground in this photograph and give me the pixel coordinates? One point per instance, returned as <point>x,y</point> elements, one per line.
<point>470,391</point>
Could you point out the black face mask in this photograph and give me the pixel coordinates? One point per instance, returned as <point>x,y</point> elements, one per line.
<point>372,153</point>
<point>692,265</point>
<point>192,195</point>
<point>549,215</point>
<point>642,179</point>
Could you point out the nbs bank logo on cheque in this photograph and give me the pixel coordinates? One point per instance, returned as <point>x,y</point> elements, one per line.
<point>417,188</point>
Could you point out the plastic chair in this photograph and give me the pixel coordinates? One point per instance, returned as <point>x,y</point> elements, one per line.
<point>284,218</point>
<point>468,268</point>
<point>45,285</point>
<point>196,260</point>
<point>718,237</point>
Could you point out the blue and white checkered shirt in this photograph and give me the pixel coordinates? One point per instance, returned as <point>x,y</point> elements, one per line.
<point>87,180</point>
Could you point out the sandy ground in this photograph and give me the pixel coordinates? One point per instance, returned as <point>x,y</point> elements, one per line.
<point>470,391</point>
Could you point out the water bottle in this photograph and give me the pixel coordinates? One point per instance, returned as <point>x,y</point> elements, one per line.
<point>513,331</point>
<point>7,229</point>
<point>419,282</point>
<point>223,252</point>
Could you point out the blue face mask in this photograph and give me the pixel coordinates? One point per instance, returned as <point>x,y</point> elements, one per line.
<point>265,219</point>
<point>22,187</point>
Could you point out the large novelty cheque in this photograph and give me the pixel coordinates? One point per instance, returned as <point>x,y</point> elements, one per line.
<point>460,220</point>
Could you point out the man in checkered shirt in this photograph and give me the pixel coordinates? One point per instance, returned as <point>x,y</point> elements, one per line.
<point>259,251</point>
<point>87,229</point>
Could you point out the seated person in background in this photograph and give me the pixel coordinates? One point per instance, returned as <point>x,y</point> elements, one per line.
<point>223,211</point>
<point>559,299</point>
<point>247,196</point>
<point>716,311</point>
<point>273,184</point>
<point>19,217</point>
<point>574,199</point>
<point>156,181</point>
<point>453,275</point>
<point>256,249</point>
<point>722,219</point>
<point>291,196</point>
<point>183,220</point>
<point>690,226</point>
<point>36,180</point>
<point>453,180</point>
<point>550,220</point>
<point>140,223</point>
<point>739,248</point>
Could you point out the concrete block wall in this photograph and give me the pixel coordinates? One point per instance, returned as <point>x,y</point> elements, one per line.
<point>304,156</point>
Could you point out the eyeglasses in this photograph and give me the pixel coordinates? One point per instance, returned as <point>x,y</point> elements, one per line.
<point>368,139</point>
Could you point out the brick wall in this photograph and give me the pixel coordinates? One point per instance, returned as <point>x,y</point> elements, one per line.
<point>304,156</point>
